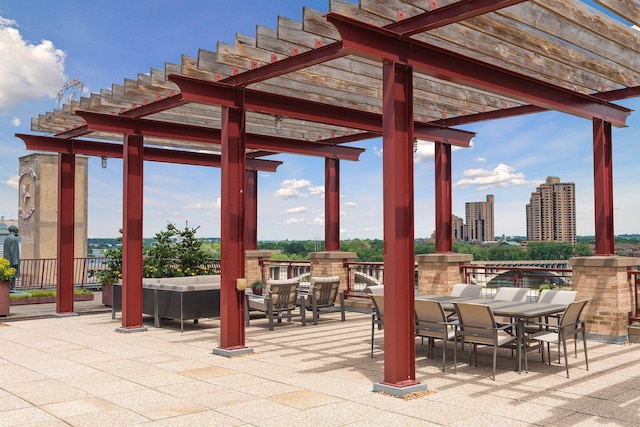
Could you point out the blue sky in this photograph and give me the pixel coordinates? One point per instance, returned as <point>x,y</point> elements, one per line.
<point>45,43</point>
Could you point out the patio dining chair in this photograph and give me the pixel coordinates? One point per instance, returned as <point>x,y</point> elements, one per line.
<point>551,296</point>
<point>478,326</point>
<point>377,316</point>
<point>465,290</point>
<point>432,323</point>
<point>278,302</point>
<point>511,294</point>
<point>556,296</point>
<point>322,295</point>
<point>570,326</point>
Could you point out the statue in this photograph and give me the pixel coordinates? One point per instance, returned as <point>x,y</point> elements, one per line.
<point>12,253</point>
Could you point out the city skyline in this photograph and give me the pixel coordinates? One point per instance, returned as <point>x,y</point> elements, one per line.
<point>509,157</point>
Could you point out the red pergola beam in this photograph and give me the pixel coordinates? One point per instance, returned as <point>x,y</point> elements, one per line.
<point>213,93</point>
<point>440,17</point>
<point>146,127</point>
<point>449,14</point>
<point>153,154</point>
<point>612,95</point>
<point>159,106</point>
<point>374,43</point>
<point>287,65</point>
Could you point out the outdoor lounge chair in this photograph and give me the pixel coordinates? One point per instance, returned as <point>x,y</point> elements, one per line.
<point>570,325</point>
<point>279,301</point>
<point>431,323</point>
<point>377,316</point>
<point>478,326</point>
<point>322,296</point>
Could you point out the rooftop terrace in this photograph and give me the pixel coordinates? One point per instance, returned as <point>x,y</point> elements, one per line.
<point>78,371</point>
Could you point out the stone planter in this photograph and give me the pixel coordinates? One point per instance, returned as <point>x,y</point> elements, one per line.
<point>107,294</point>
<point>5,301</point>
<point>45,300</point>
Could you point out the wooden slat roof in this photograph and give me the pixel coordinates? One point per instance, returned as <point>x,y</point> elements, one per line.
<point>566,43</point>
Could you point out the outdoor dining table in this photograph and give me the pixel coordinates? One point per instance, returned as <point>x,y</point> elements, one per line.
<point>518,310</point>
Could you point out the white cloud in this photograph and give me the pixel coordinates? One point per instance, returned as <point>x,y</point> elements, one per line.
<point>15,122</point>
<point>295,183</point>
<point>219,202</point>
<point>291,189</point>
<point>294,221</point>
<point>425,151</point>
<point>318,221</point>
<point>481,159</point>
<point>200,205</point>
<point>299,209</point>
<point>377,151</point>
<point>29,71</point>
<point>501,176</point>
<point>351,204</point>
<point>319,190</point>
<point>13,181</point>
<point>290,193</point>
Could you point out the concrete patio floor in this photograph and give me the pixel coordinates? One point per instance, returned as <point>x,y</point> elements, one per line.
<point>79,371</point>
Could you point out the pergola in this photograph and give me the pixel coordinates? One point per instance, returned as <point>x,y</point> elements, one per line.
<point>399,69</point>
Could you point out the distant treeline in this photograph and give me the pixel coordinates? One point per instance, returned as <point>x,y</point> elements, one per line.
<point>372,250</point>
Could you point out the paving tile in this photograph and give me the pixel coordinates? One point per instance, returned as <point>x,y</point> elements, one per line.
<point>304,399</point>
<point>74,371</point>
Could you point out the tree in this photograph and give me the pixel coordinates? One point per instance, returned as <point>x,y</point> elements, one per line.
<point>550,250</point>
<point>583,249</point>
<point>505,252</point>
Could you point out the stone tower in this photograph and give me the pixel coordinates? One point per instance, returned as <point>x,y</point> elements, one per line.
<point>38,206</point>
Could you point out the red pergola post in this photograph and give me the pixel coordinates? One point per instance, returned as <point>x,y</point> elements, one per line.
<point>331,204</point>
<point>399,319</point>
<point>66,220</point>
<point>603,187</point>
<point>444,211</point>
<point>251,210</point>
<point>232,222</point>
<point>133,150</point>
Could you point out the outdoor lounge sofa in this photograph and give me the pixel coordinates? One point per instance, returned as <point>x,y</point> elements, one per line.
<point>180,298</point>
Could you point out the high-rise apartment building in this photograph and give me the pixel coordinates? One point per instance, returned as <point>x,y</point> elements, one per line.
<point>551,212</point>
<point>457,227</point>
<point>479,225</point>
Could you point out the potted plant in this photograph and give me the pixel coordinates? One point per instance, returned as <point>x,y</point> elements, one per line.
<point>111,273</point>
<point>546,286</point>
<point>6,274</point>
<point>257,287</point>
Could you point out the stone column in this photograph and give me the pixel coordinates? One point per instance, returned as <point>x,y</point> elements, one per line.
<point>604,279</point>
<point>437,273</point>
<point>256,265</point>
<point>331,264</point>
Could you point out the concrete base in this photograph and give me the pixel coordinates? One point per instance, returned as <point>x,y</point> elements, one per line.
<point>398,391</point>
<point>609,339</point>
<point>231,352</point>
<point>634,333</point>
<point>130,330</point>
<point>65,314</point>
